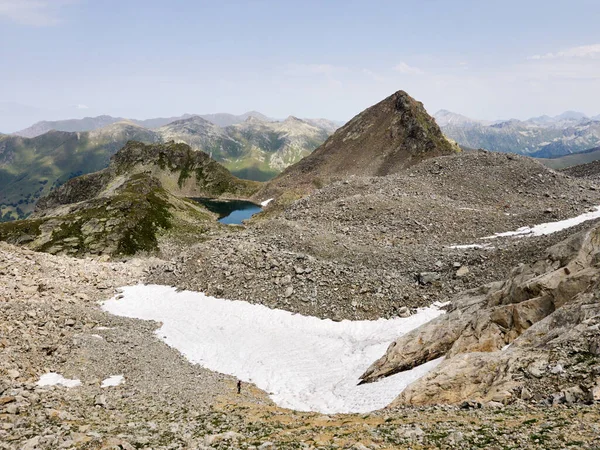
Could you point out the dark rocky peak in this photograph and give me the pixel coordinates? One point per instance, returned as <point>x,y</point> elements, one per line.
<point>383,139</point>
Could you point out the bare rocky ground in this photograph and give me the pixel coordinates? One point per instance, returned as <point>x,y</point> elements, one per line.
<point>370,247</point>
<point>590,171</point>
<point>50,321</point>
<point>534,336</point>
<point>359,248</point>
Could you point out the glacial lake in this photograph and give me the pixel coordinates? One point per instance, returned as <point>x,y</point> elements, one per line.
<point>231,212</point>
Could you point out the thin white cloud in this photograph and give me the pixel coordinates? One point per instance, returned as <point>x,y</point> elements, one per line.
<point>374,76</point>
<point>82,106</point>
<point>38,13</point>
<point>328,71</point>
<point>407,70</point>
<point>583,51</point>
<point>312,69</point>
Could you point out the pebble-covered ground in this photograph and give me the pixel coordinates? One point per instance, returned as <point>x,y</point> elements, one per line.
<point>370,247</point>
<point>50,322</point>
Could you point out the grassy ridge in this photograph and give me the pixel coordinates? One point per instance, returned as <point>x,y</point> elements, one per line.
<point>31,168</point>
<point>125,208</point>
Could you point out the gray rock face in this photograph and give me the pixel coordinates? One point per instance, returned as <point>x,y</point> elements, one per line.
<point>546,311</point>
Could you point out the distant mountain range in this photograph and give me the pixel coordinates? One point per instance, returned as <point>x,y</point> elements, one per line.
<point>541,137</point>
<point>251,145</point>
<point>93,123</point>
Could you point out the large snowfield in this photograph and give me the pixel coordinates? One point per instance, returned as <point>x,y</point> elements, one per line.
<point>304,363</point>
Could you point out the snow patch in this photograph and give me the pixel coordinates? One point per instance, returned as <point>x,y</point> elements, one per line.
<point>266,202</point>
<point>56,379</point>
<point>537,230</point>
<point>114,380</point>
<point>304,363</point>
<point>550,227</point>
<point>476,246</point>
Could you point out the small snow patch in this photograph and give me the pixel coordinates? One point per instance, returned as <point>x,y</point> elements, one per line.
<point>475,246</point>
<point>111,381</point>
<point>56,379</point>
<point>550,227</point>
<point>537,230</point>
<point>304,363</point>
<point>266,202</point>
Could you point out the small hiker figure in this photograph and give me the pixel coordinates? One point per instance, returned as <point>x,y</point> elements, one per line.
<point>239,386</point>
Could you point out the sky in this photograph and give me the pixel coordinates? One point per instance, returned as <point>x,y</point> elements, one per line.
<point>141,59</point>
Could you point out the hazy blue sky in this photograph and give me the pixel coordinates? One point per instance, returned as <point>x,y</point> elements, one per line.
<point>147,58</point>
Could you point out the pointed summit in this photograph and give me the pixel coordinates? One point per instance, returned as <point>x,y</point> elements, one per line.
<point>390,136</point>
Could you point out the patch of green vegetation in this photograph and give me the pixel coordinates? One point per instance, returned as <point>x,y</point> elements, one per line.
<point>147,219</point>
<point>317,182</point>
<point>20,231</point>
<point>585,357</point>
<point>137,213</point>
<point>539,438</point>
<point>439,436</point>
<point>253,173</point>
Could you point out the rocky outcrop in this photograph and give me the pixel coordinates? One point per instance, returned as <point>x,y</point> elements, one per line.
<point>384,139</point>
<point>549,314</point>
<point>31,168</point>
<point>124,209</point>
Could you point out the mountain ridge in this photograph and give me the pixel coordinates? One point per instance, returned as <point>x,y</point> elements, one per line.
<point>254,149</point>
<point>124,208</point>
<point>91,123</point>
<point>385,138</point>
<point>541,137</point>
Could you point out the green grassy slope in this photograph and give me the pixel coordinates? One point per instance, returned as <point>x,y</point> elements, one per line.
<point>127,207</point>
<point>31,168</point>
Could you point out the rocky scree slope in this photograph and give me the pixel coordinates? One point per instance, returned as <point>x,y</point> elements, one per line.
<point>547,312</point>
<point>388,137</point>
<point>590,171</point>
<point>125,208</point>
<point>370,247</point>
<point>50,321</point>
